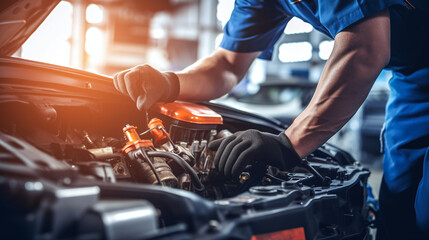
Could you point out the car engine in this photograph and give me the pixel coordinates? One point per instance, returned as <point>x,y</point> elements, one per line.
<point>91,171</point>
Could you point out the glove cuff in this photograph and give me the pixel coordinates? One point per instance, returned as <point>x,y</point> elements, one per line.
<point>291,158</point>
<point>174,86</point>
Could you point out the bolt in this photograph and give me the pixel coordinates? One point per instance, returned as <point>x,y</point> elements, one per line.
<point>244,176</point>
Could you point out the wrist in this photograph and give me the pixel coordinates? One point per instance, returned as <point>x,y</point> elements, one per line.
<point>173,86</point>
<point>294,143</point>
<point>290,157</point>
<point>289,145</point>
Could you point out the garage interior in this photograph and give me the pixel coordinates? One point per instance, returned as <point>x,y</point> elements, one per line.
<point>105,37</point>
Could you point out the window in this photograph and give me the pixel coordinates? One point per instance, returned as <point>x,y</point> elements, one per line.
<point>295,52</point>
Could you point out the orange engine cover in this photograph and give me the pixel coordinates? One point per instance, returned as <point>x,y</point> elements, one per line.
<point>187,122</point>
<point>188,112</point>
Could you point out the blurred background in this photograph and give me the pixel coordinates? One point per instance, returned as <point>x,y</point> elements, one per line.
<point>107,36</point>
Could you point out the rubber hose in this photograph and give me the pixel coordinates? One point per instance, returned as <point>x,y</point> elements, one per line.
<point>183,164</point>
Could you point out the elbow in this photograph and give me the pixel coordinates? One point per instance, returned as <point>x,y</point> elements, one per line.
<point>373,56</point>
<point>223,85</point>
<point>367,56</point>
<point>377,55</point>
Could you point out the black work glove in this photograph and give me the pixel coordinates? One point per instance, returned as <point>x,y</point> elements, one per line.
<point>250,147</point>
<point>146,85</point>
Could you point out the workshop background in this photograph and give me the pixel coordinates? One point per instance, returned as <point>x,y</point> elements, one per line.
<point>111,35</point>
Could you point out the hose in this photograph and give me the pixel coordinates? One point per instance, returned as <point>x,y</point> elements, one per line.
<point>183,164</point>
<point>142,154</point>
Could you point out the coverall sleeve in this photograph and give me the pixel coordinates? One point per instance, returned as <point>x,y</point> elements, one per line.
<point>255,26</point>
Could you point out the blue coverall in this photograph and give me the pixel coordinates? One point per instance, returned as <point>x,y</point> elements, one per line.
<point>256,25</point>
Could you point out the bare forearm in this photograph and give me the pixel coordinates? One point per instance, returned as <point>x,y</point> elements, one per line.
<point>345,83</point>
<point>203,81</point>
<point>214,76</point>
<point>341,91</point>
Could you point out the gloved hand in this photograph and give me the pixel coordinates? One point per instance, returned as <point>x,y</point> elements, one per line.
<point>250,147</point>
<point>146,85</point>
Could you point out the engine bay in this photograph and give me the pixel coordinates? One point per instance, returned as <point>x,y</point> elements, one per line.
<point>173,155</point>
<point>152,157</point>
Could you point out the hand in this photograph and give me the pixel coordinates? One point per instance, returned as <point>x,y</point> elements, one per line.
<point>146,85</point>
<point>249,147</point>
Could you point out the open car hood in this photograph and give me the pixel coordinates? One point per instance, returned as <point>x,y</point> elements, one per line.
<point>19,19</point>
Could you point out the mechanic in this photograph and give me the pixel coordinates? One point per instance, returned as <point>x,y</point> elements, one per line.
<point>369,35</point>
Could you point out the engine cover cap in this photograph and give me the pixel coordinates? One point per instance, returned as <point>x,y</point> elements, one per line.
<point>188,112</point>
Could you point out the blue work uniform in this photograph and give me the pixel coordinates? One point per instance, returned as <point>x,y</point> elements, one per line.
<point>256,25</point>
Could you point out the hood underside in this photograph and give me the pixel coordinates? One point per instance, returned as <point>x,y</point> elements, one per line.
<point>19,19</point>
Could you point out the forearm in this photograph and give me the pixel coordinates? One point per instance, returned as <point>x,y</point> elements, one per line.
<point>341,91</point>
<point>345,83</point>
<point>205,80</point>
<point>214,76</point>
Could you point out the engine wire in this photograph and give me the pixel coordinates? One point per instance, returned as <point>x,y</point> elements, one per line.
<point>196,182</point>
<point>144,156</point>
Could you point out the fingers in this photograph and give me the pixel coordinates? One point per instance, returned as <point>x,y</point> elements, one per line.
<point>247,156</point>
<point>129,82</point>
<point>142,83</point>
<point>133,84</point>
<point>141,99</point>
<point>225,156</point>
<point>214,145</point>
<point>231,169</point>
<point>118,81</point>
<point>145,101</point>
<point>228,151</point>
<point>222,146</point>
<point>115,79</point>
